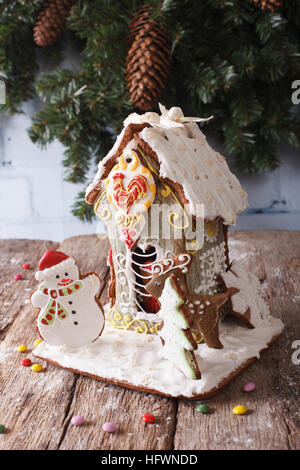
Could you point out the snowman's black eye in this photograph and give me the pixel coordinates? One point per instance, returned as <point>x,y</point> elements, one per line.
<point>66,274</point>
<point>57,277</point>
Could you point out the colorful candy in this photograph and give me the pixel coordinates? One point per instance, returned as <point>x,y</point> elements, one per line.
<point>249,387</point>
<point>110,427</point>
<point>239,410</point>
<point>26,362</point>
<point>2,428</point>
<point>148,418</point>
<point>36,367</point>
<point>37,341</point>
<point>26,266</point>
<point>77,420</point>
<point>18,277</point>
<point>203,408</point>
<point>22,348</point>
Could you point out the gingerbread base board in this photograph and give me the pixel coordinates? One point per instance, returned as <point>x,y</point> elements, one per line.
<point>132,360</point>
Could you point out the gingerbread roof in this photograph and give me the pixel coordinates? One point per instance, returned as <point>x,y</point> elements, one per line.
<point>199,173</point>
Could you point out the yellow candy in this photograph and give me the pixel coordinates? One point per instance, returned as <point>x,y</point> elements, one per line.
<point>239,410</point>
<point>37,341</point>
<point>22,348</point>
<point>36,367</point>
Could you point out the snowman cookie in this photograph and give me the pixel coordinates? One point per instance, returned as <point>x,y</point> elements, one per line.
<point>69,311</point>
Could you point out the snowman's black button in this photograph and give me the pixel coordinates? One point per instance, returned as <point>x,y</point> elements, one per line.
<point>70,302</point>
<point>73,311</point>
<point>75,322</point>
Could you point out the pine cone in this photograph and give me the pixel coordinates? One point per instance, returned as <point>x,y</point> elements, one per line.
<point>148,60</point>
<point>272,5</point>
<point>51,21</point>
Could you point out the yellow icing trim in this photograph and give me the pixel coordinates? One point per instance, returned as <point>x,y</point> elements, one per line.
<point>198,338</point>
<point>133,166</point>
<point>165,192</point>
<point>122,164</point>
<point>147,204</point>
<point>125,322</point>
<point>106,212</point>
<point>152,188</point>
<point>106,182</point>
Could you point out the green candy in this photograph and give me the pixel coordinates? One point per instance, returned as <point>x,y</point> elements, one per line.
<point>203,409</point>
<point>2,428</point>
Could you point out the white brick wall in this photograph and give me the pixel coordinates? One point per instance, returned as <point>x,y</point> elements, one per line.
<point>35,201</point>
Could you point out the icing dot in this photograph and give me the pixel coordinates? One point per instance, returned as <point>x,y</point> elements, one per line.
<point>207,303</point>
<point>110,427</point>
<point>77,420</point>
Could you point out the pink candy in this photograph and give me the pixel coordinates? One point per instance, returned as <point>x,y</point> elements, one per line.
<point>249,387</point>
<point>109,427</point>
<point>18,277</point>
<point>77,420</point>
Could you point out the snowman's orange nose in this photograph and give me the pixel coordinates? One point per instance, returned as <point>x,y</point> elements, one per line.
<point>65,280</point>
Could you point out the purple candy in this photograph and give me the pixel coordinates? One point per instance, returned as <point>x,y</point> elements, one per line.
<point>77,420</point>
<point>249,387</point>
<point>109,427</point>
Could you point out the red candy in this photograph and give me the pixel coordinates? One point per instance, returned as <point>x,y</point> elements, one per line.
<point>18,277</point>
<point>149,418</point>
<point>26,362</point>
<point>26,266</point>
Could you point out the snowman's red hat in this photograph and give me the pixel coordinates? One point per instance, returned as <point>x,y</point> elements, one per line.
<point>49,262</point>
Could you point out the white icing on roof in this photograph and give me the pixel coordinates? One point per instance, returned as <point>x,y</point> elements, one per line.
<point>186,158</point>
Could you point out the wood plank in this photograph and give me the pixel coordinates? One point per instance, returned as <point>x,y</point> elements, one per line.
<point>274,406</point>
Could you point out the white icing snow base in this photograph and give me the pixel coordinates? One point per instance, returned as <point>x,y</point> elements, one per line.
<point>126,356</point>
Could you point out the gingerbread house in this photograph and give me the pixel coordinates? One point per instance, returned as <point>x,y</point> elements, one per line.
<point>163,166</point>
<point>183,319</point>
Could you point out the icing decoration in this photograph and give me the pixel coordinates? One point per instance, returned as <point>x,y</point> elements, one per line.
<point>247,302</point>
<point>130,185</point>
<point>55,308</point>
<point>185,158</point>
<point>212,262</point>
<point>69,311</point>
<point>178,343</point>
<point>126,357</point>
<point>161,270</point>
<point>136,190</point>
<point>128,268</point>
<point>102,211</point>
<point>205,311</point>
<point>128,322</point>
<point>211,230</point>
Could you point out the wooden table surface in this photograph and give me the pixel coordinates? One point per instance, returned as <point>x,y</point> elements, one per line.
<point>36,408</point>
